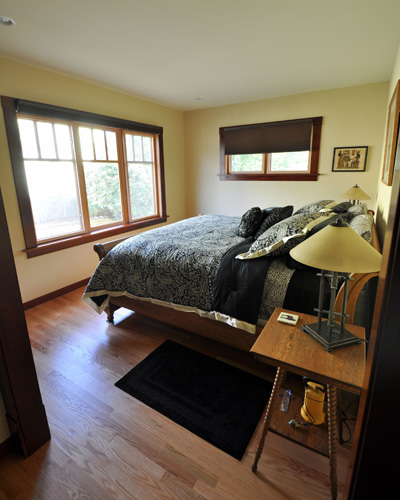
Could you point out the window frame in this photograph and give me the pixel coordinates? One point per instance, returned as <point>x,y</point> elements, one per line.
<point>311,175</point>
<point>13,108</point>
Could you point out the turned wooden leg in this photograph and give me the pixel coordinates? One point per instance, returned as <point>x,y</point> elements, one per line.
<point>110,310</point>
<point>332,431</point>
<point>279,378</point>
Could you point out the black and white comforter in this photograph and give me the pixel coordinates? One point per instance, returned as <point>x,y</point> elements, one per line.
<point>177,266</point>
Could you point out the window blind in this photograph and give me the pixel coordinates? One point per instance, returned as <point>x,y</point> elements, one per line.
<point>273,137</point>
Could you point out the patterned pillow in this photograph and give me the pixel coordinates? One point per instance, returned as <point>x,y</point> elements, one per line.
<point>250,222</point>
<point>283,236</point>
<point>274,217</point>
<point>312,207</point>
<point>362,224</point>
<point>354,210</point>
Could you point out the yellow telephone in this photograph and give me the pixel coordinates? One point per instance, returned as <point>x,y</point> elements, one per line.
<point>312,410</point>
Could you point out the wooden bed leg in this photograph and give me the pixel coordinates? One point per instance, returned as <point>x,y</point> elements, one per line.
<point>110,310</point>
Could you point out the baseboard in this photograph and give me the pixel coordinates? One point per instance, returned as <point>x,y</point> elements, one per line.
<point>8,446</point>
<point>53,295</point>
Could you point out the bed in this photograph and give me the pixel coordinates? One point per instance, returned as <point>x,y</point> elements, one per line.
<point>221,276</point>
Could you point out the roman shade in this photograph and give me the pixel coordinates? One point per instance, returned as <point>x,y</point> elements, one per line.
<point>272,137</point>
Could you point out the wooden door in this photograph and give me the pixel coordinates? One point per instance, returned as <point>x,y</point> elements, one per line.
<point>19,386</point>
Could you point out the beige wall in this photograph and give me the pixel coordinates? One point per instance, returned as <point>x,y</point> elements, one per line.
<point>384,192</point>
<point>41,275</point>
<point>352,116</point>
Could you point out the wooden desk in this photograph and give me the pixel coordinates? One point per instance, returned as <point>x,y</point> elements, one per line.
<point>290,349</point>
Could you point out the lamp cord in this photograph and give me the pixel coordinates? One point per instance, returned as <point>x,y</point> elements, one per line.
<point>346,419</point>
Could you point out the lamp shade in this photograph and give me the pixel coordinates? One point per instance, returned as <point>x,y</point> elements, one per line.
<point>355,193</point>
<point>338,248</point>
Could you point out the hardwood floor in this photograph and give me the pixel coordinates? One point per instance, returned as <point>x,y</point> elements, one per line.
<point>107,445</point>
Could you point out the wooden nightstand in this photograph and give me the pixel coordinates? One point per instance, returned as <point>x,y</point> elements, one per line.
<point>290,349</point>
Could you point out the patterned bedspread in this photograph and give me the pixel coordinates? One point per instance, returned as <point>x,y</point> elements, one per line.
<point>175,264</point>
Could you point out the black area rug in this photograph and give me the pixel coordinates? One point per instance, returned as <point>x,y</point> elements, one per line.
<point>217,402</point>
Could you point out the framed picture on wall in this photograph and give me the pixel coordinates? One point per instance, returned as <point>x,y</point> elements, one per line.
<point>351,159</point>
<point>392,127</point>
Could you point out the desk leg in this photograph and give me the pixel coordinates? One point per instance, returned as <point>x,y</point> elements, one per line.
<point>332,430</point>
<point>279,378</point>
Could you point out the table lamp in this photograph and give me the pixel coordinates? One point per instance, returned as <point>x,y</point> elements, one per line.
<point>337,250</point>
<point>355,195</point>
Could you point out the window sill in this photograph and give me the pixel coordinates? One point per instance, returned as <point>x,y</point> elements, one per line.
<point>73,241</point>
<point>268,177</point>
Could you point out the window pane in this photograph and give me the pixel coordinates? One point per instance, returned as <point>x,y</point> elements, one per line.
<point>54,198</point>
<point>103,193</point>
<point>247,163</point>
<point>137,144</point>
<point>99,145</point>
<point>141,187</point>
<point>28,138</point>
<point>296,161</point>
<point>111,138</point>
<point>46,140</point>
<point>63,139</point>
<point>147,149</point>
<point>129,147</point>
<point>85,136</point>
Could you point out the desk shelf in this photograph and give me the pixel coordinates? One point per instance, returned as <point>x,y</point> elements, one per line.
<point>314,437</point>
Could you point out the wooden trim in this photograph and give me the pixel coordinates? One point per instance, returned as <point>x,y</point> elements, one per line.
<point>50,111</point>
<point>315,145</point>
<point>81,181</point>
<point>53,295</point>
<point>17,162</point>
<point>161,174</point>
<point>55,246</point>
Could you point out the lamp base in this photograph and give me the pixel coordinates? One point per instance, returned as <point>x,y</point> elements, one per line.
<point>331,340</point>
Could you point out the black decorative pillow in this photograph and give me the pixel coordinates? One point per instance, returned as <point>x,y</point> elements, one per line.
<point>328,220</point>
<point>337,208</point>
<point>250,222</point>
<point>341,207</point>
<point>275,216</point>
<point>314,206</point>
<point>282,237</point>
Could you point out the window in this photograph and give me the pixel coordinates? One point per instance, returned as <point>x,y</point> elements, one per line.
<point>80,177</point>
<point>287,150</point>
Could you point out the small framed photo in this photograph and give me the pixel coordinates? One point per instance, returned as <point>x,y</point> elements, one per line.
<point>351,159</point>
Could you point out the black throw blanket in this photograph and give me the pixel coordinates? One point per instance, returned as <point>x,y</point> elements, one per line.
<point>239,284</point>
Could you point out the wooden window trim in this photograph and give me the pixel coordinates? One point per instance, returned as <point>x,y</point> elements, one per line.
<point>11,106</point>
<point>73,241</point>
<point>311,175</point>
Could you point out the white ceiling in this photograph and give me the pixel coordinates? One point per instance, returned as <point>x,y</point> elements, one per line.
<point>190,54</point>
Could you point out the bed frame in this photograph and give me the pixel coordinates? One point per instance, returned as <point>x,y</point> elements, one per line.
<point>216,330</point>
